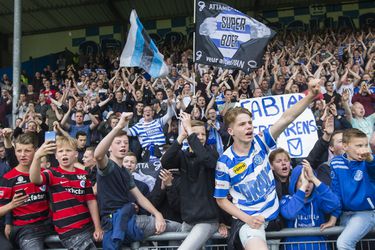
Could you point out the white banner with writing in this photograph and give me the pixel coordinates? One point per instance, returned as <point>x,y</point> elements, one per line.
<point>300,136</point>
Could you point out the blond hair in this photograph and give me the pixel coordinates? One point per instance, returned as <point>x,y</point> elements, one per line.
<point>352,133</point>
<point>66,141</point>
<point>232,114</point>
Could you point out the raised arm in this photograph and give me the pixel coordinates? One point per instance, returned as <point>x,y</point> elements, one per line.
<point>293,112</point>
<point>101,150</point>
<point>64,121</point>
<point>49,147</point>
<point>345,105</point>
<point>169,113</point>
<point>57,128</point>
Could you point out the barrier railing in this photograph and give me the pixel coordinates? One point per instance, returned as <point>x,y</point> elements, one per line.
<point>273,244</point>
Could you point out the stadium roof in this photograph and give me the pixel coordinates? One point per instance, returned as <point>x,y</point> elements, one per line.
<point>44,16</point>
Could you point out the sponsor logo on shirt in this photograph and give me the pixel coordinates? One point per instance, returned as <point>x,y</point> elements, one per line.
<point>75,191</point>
<point>239,168</point>
<point>81,177</point>
<point>257,189</point>
<point>358,175</point>
<point>152,132</point>
<point>219,185</point>
<point>20,180</point>
<point>42,188</point>
<point>258,160</point>
<point>82,183</point>
<point>36,197</point>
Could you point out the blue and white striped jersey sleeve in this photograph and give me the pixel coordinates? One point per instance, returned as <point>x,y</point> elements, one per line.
<point>267,140</point>
<point>133,131</point>
<point>222,179</point>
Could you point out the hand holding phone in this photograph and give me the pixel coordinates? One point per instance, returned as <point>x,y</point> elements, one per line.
<point>20,191</point>
<point>19,198</point>
<point>50,136</point>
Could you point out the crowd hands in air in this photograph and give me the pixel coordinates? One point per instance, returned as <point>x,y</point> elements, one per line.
<point>84,183</point>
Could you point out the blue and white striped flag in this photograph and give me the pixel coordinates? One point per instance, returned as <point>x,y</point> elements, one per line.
<point>141,51</point>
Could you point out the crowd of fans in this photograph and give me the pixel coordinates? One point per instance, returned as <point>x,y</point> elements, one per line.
<point>87,184</point>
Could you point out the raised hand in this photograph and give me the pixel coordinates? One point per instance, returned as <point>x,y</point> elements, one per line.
<point>124,119</point>
<point>314,87</point>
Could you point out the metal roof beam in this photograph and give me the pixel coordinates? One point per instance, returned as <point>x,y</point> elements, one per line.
<point>56,7</point>
<point>115,12</point>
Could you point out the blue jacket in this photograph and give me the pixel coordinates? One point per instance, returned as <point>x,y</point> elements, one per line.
<point>354,183</point>
<point>300,212</point>
<point>121,227</point>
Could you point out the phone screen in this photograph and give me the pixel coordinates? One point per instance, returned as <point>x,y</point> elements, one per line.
<point>21,191</point>
<point>50,136</point>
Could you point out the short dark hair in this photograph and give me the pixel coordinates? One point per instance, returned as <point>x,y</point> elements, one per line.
<point>121,133</point>
<point>27,138</point>
<point>197,123</point>
<point>132,155</point>
<point>226,90</point>
<point>276,152</point>
<point>80,133</point>
<point>333,134</point>
<point>92,149</point>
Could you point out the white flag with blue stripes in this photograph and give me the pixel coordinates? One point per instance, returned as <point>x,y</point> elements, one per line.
<point>141,51</point>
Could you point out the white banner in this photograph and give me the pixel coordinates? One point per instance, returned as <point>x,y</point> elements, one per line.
<point>300,136</point>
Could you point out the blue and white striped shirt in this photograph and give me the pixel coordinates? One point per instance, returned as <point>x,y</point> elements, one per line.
<point>151,132</point>
<point>249,179</point>
<point>148,132</point>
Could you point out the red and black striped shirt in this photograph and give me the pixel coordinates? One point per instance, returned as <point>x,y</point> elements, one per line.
<point>69,193</point>
<point>36,207</point>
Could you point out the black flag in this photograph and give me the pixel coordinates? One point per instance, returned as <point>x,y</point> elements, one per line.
<point>228,38</point>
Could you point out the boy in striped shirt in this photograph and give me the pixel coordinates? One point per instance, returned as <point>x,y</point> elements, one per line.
<point>244,172</point>
<point>75,212</point>
<point>26,202</point>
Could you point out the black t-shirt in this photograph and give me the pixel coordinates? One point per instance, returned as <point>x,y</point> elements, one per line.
<point>113,183</point>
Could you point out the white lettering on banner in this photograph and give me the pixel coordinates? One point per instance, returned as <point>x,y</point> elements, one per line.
<point>215,6</point>
<point>299,137</point>
<point>212,59</point>
<point>234,62</point>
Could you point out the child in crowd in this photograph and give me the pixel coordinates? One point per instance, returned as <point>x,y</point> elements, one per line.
<point>245,172</point>
<point>306,205</point>
<point>199,211</point>
<point>26,202</point>
<point>353,180</point>
<point>145,183</point>
<point>115,183</point>
<point>130,163</point>
<point>74,207</point>
<point>281,167</point>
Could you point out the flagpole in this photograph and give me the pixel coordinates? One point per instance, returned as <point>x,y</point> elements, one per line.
<point>194,17</point>
<point>194,23</point>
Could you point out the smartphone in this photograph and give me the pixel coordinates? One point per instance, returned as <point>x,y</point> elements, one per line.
<point>21,191</point>
<point>50,136</point>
